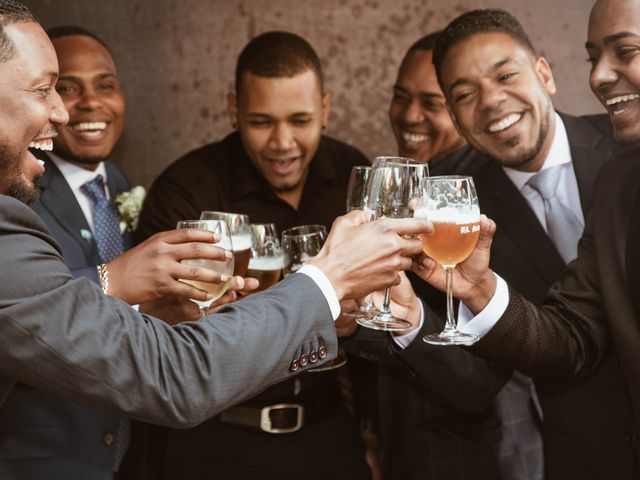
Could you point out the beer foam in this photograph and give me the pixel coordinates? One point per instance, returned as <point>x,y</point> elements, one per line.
<point>224,243</point>
<point>267,263</point>
<point>241,242</point>
<point>448,215</point>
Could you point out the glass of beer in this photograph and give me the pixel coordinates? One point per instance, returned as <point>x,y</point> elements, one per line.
<point>267,257</point>
<point>240,236</point>
<point>301,244</point>
<point>356,197</point>
<point>220,228</point>
<point>393,188</point>
<point>451,203</point>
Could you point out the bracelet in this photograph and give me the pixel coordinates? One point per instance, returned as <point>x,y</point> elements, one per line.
<point>103,276</point>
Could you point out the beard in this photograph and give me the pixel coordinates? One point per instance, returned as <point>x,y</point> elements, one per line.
<point>15,185</point>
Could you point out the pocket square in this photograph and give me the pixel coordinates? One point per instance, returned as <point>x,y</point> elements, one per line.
<point>86,234</point>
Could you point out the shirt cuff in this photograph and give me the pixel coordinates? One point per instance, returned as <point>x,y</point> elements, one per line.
<point>489,316</point>
<point>403,341</point>
<point>325,285</point>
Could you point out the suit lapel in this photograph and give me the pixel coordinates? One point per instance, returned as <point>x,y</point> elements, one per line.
<point>117,184</point>
<point>60,201</point>
<point>516,220</point>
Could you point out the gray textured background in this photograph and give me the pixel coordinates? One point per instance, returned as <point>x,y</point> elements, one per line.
<point>176,59</point>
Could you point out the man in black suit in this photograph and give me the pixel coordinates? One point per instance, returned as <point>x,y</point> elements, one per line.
<point>566,339</point>
<point>67,336</point>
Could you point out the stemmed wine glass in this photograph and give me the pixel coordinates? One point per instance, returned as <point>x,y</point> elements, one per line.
<point>240,235</point>
<point>356,197</point>
<point>451,203</point>
<point>393,187</point>
<point>221,229</point>
<point>267,257</point>
<point>301,244</point>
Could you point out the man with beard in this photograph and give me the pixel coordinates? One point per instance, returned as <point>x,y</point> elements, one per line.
<point>64,335</point>
<point>276,167</point>
<point>490,84</point>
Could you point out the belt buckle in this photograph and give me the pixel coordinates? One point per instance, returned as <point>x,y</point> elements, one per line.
<point>265,419</point>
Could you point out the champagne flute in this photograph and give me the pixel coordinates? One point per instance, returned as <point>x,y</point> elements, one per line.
<point>356,197</point>
<point>393,187</point>
<point>240,236</point>
<point>451,203</point>
<point>267,258</point>
<point>224,267</point>
<point>301,244</point>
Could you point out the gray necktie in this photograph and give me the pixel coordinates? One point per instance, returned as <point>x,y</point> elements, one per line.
<point>563,226</point>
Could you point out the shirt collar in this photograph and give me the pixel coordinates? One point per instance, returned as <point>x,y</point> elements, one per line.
<point>559,154</point>
<point>75,175</point>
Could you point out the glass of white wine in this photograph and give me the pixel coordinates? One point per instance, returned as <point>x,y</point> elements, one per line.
<point>221,229</point>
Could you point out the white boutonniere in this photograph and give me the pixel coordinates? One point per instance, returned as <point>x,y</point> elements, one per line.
<point>129,205</point>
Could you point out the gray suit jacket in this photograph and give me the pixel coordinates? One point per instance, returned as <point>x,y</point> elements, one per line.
<point>63,335</point>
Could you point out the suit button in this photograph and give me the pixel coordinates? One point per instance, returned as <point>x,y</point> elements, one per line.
<point>304,361</point>
<point>108,439</point>
<point>313,357</point>
<point>294,366</point>
<point>322,352</point>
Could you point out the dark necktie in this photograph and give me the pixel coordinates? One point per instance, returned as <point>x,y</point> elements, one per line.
<point>563,226</point>
<point>109,241</point>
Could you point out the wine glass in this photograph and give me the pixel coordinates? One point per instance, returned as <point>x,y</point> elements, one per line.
<point>392,190</point>
<point>301,244</point>
<point>356,196</point>
<point>224,267</point>
<point>267,257</point>
<point>451,203</point>
<point>240,236</point>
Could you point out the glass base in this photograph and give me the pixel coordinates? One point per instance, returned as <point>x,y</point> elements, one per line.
<point>386,323</point>
<point>337,362</point>
<point>363,312</point>
<point>452,337</point>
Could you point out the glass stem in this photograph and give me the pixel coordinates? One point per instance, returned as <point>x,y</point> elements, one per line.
<point>450,326</point>
<point>203,312</point>
<point>386,310</point>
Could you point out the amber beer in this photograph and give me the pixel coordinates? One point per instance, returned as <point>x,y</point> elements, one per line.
<point>451,242</point>
<point>241,254</point>
<point>267,270</point>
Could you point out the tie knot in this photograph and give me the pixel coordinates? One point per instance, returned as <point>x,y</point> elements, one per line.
<point>545,182</point>
<point>94,189</point>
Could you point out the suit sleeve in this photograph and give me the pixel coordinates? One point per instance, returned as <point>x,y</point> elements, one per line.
<point>63,335</point>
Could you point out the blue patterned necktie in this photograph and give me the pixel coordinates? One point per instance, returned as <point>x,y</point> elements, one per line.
<point>109,241</point>
<point>563,226</point>
<point>105,220</point>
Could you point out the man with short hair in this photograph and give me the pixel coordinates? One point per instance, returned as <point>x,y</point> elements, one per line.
<point>499,92</point>
<point>66,336</point>
<point>277,167</point>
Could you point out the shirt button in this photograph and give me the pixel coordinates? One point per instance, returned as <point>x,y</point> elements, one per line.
<point>108,439</point>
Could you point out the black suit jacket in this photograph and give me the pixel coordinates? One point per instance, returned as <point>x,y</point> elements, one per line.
<point>41,435</point>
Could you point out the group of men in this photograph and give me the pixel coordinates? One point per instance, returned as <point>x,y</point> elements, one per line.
<point>473,99</point>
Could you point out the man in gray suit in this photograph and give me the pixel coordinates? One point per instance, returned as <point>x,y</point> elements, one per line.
<point>64,335</point>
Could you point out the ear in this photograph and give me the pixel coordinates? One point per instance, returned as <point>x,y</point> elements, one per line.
<point>543,71</point>
<point>232,109</point>
<point>326,108</point>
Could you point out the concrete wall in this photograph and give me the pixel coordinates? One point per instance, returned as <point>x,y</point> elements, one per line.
<point>177,58</point>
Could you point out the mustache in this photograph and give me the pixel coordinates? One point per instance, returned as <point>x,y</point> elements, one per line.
<point>48,131</point>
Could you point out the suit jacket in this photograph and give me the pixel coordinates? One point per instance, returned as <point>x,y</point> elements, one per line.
<point>578,442</point>
<point>63,335</point>
<point>42,436</point>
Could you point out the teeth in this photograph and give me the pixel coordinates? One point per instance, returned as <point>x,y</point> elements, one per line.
<point>46,145</point>
<point>40,162</point>
<point>505,123</point>
<point>414,137</point>
<point>622,98</point>
<point>84,126</point>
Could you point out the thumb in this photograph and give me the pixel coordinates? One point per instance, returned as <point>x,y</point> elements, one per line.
<point>487,230</point>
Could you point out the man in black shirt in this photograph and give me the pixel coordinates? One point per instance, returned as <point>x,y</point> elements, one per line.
<point>277,167</point>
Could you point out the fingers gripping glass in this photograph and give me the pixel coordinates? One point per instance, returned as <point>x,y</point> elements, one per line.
<point>221,229</point>
<point>240,236</point>
<point>392,189</point>
<point>451,203</point>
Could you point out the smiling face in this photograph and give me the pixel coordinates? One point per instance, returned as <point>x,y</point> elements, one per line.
<point>280,122</point>
<point>499,95</point>
<point>30,108</point>
<point>613,47</point>
<point>90,89</point>
<point>418,112</point>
